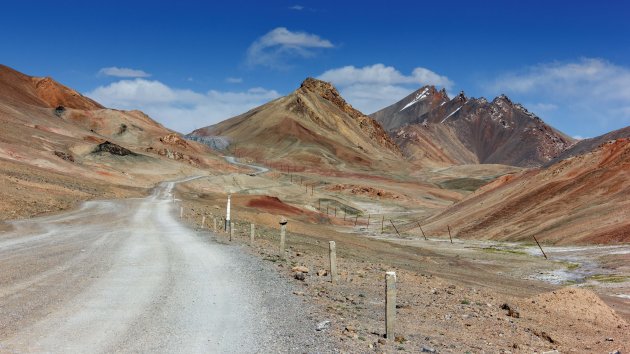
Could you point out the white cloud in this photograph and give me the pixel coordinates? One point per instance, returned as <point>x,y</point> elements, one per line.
<point>587,95</point>
<point>585,78</point>
<point>279,45</point>
<point>377,86</point>
<point>182,110</point>
<point>123,72</point>
<point>297,7</point>
<point>234,80</point>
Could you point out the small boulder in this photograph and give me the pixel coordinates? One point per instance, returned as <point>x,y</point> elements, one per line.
<point>301,269</point>
<point>322,325</point>
<point>322,273</point>
<point>512,310</point>
<point>299,276</point>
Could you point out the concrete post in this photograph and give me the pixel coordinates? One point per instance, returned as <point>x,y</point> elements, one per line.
<point>390,304</point>
<point>333,261</point>
<point>231,230</point>
<point>203,221</point>
<point>215,225</point>
<point>251,234</point>
<point>227,212</point>
<point>181,212</point>
<point>283,229</point>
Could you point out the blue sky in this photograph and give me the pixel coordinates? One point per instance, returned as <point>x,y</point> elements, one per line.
<point>192,63</point>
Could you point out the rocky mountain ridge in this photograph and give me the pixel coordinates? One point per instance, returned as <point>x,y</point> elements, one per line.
<point>499,131</point>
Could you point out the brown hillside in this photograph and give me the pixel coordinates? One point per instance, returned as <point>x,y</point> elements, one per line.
<point>52,140</point>
<point>583,199</point>
<point>42,92</point>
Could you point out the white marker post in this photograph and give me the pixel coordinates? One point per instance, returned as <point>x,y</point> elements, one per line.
<point>215,225</point>
<point>181,212</point>
<point>227,212</point>
<point>203,221</point>
<point>390,304</point>
<point>333,261</point>
<point>251,234</point>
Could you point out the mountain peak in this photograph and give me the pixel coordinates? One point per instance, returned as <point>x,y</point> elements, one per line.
<point>443,93</point>
<point>502,97</point>
<point>327,91</point>
<point>320,87</point>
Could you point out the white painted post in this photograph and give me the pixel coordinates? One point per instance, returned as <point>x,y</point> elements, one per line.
<point>181,212</point>
<point>215,225</point>
<point>227,213</point>
<point>333,261</point>
<point>283,229</point>
<point>203,221</point>
<point>251,234</point>
<point>390,304</point>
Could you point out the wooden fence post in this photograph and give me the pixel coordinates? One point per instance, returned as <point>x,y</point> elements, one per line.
<point>383,223</point>
<point>541,250</point>
<point>390,220</point>
<point>449,233</point>
<point>425,236</point>
<point>283,229</point>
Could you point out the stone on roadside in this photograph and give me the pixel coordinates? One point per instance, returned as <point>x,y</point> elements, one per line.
<point>322,325</point>
<point>322,273</point>
<point>301,269</point>
<point>512,310</point>
<point>299,276</point>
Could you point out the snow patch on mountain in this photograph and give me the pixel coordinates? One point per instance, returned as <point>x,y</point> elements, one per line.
<point>418,98</point>
<point>455,111</point>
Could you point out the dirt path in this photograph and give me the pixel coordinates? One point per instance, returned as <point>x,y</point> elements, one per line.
<point>127,276</point>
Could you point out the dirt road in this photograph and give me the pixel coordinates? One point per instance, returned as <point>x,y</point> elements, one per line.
<point>127,276</point>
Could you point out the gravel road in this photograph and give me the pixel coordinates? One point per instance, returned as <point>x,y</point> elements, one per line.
<point>127,276</point>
